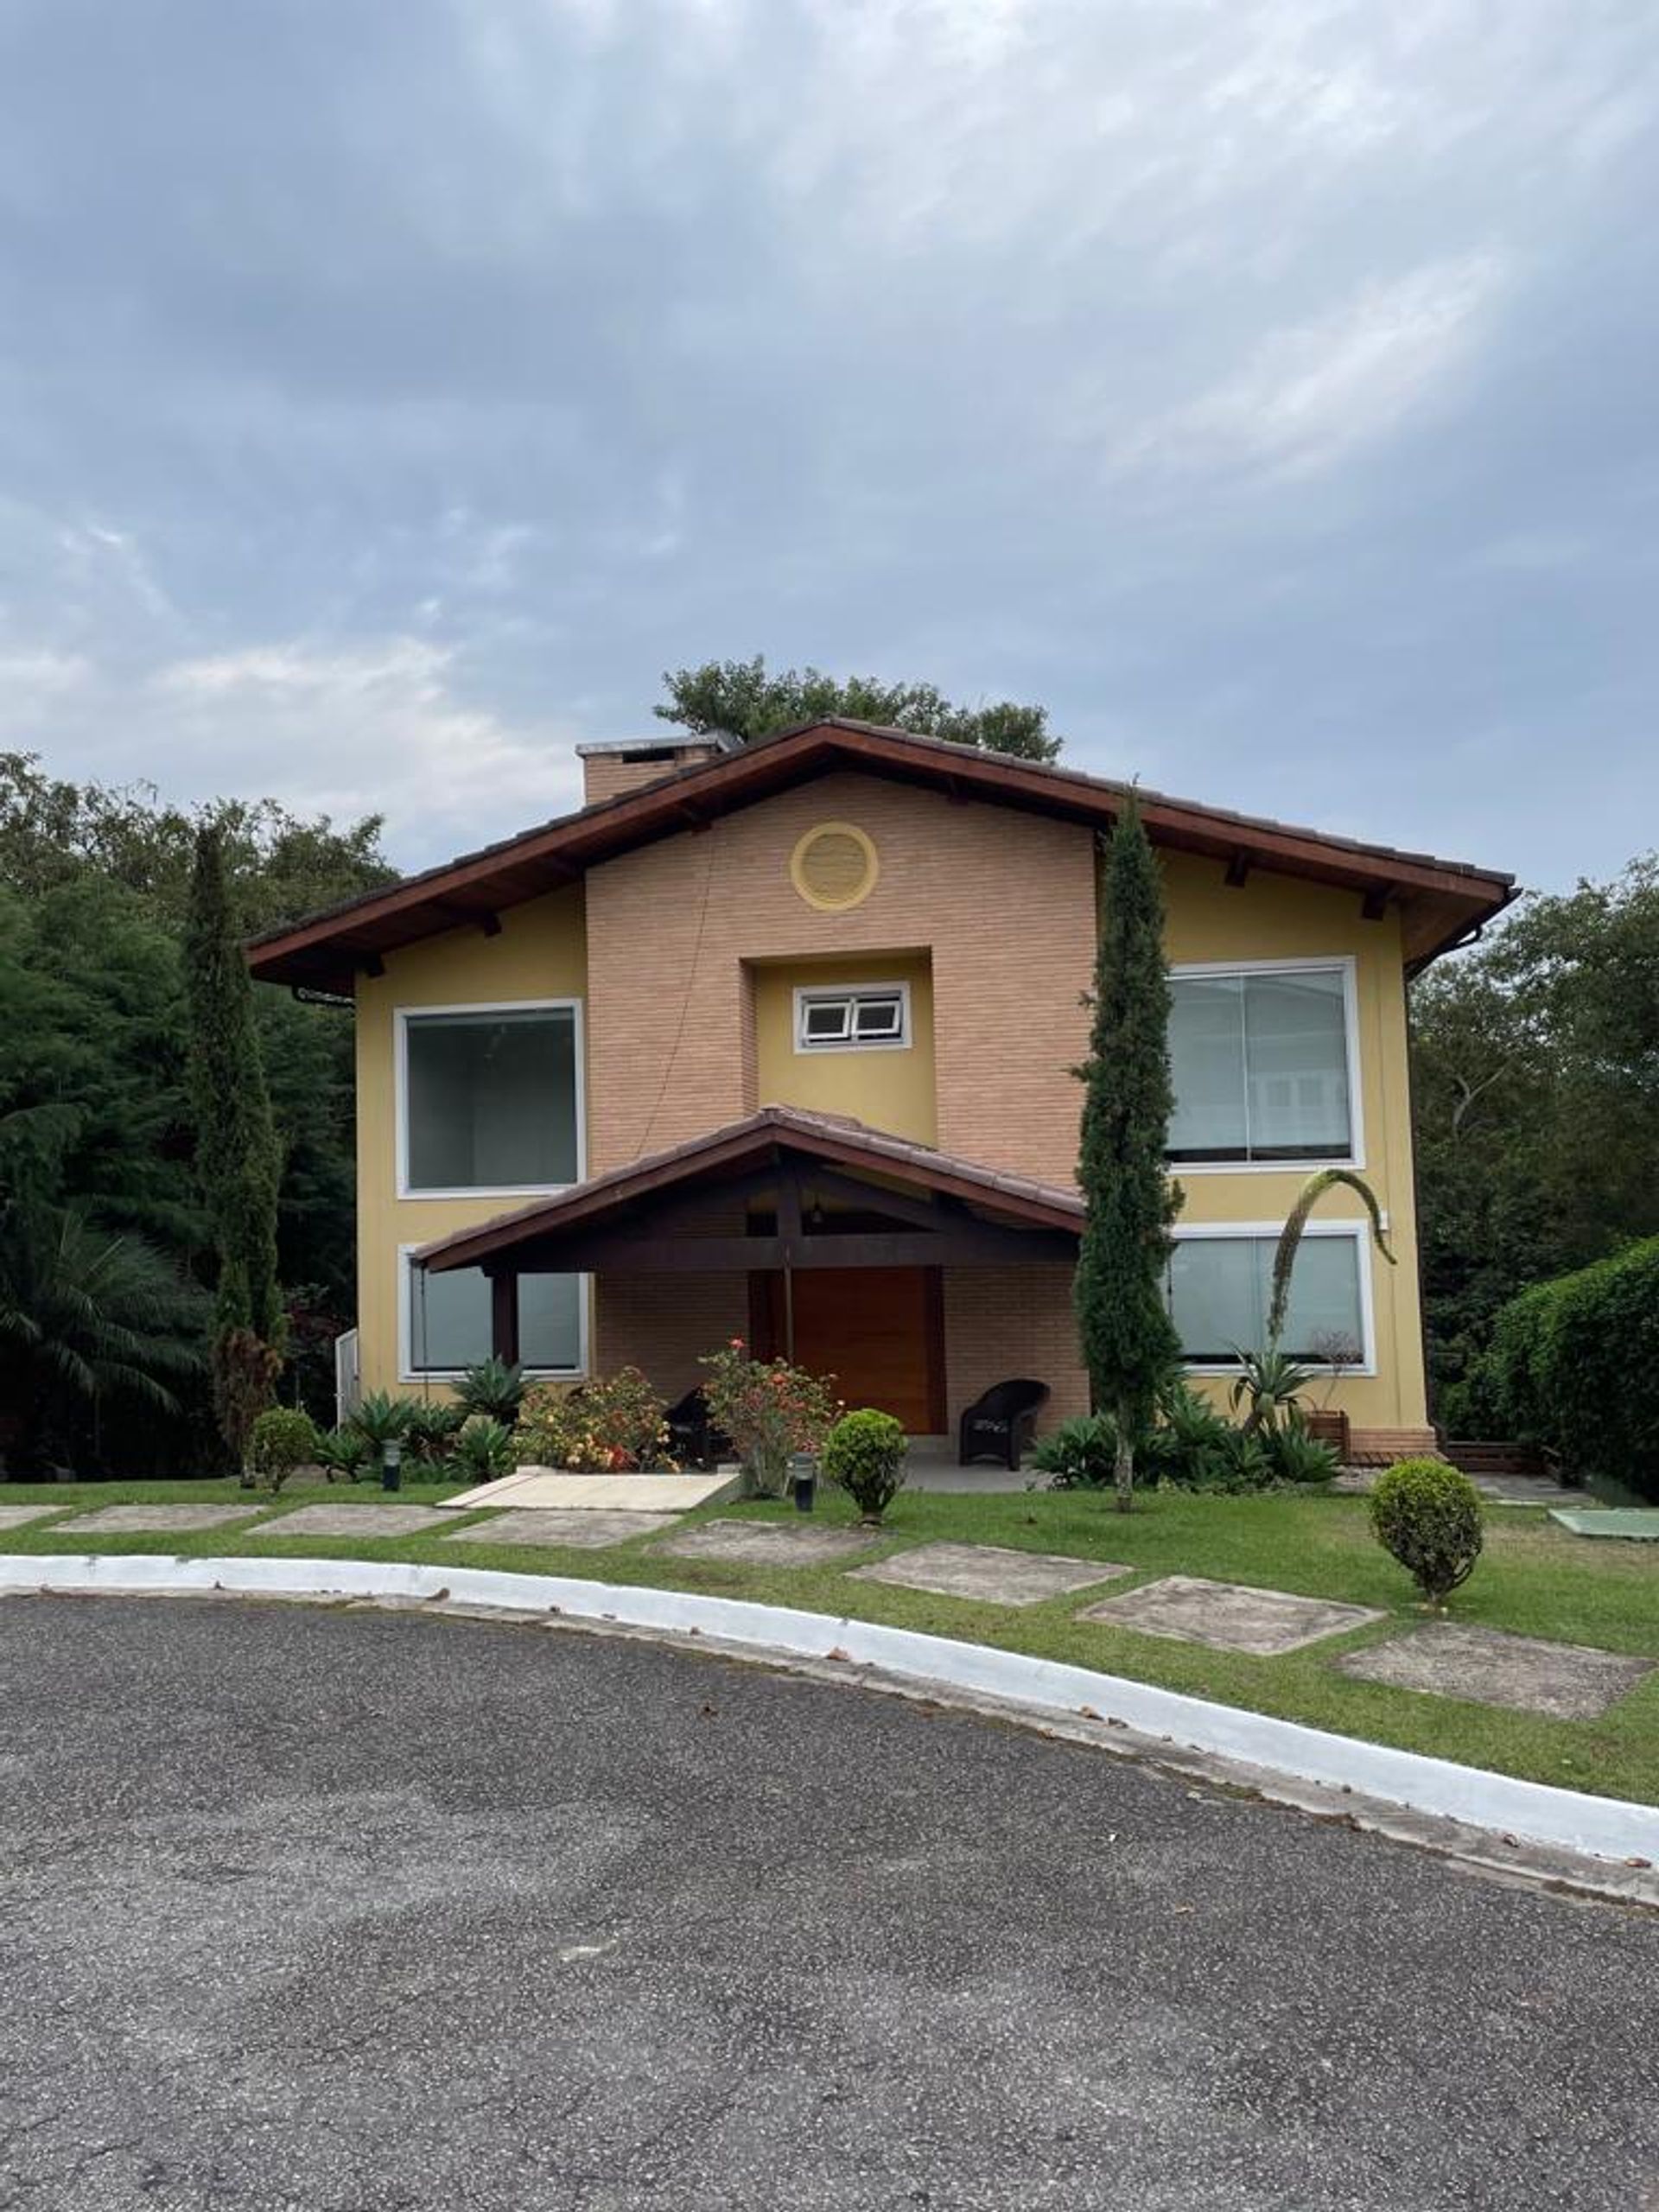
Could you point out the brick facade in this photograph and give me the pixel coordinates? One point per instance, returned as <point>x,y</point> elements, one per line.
<point>607,774</point>
<point>1002,1322</point>
<point>1003,902</point>
<point>663,1325</point>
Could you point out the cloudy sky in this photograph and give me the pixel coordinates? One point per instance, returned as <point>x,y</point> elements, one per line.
<point>390,390</point>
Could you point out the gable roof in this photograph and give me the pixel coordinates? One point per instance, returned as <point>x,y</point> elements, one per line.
<point>1440,901</point>
<point>761,1140</point>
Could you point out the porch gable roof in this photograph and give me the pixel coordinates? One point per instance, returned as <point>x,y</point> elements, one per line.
<point>776,1137</point>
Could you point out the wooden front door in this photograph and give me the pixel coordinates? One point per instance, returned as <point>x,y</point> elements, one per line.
<point>878,1331</point>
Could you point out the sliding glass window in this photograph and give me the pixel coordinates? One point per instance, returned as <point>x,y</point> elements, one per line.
<point>1262,1061</point>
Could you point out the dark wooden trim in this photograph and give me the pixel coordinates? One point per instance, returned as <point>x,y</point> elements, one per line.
<point>938,1417</point>
<point>1238,872</point>
<point>869,1197</point>
<point>761,1330</point>
<point>504,1317</point>
<point>970,1243</point>
<point>558,851</point>
<point>1374,904</point>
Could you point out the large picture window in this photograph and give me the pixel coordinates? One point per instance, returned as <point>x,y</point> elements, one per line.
<point>489,1099</point>
<point>446,1321</point>
<point>1262,1061</point>
<point>1220,1288</point>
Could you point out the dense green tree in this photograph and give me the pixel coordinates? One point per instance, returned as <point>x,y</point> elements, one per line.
<point>91,1324</point>
<point>738,698</point>
<point>278,865</point>
<point>238,1160</point>
<point>1129,1345</point>
<point>1535,1079</point>
<point>93,889</point>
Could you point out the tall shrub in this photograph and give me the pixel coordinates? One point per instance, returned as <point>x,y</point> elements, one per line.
<point>1129,1342</point>
<point>238,1161</point>
<point>1574,1366</point>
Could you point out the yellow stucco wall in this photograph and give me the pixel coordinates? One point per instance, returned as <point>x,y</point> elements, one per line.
<point>541,953</point>
<point>890,1089</point>
<point>1279,918</point>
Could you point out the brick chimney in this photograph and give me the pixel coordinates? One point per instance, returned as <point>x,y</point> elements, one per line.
<point>624,765</point>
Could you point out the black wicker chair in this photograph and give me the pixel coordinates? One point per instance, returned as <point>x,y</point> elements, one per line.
<point>1000,1424</point>
<point>693,1439</point>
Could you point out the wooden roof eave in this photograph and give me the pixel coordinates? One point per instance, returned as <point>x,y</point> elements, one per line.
<point>338,942</point>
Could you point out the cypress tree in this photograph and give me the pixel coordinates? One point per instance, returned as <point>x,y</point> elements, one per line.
<point>1128,1341</point>
<point>238,1160</point>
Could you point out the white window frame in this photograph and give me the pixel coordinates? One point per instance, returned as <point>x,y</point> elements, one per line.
<point>1360,1234</point>
<point>809,994</point>
<point>1348,965</point>
<point>407,1371</point>
<point>403,1015</point>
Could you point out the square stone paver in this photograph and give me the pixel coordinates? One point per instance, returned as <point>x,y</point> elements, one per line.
<point>13,1516</point>
<point>1570,1682</point>
<point>534,1524</point>
<point>1227,1616</point>
<point>360,1521</point>
<point>112,1520</point>
<point>769,1543</point>
<point>989,1574</point>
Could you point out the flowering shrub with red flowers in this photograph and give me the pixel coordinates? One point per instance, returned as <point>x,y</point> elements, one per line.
<point>769,1409</point>
<point>605,1427</point>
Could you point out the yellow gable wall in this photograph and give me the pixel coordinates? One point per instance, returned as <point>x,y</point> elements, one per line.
<point>541,953</point>
<point>892,1090</point>
<point>1280,917</point>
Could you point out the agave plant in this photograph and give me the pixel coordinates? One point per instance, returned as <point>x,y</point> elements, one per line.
<point>483,1449</point>
<point>381,1419</point>
<point>1290,1237</point>
<point>1268,1383</point>
<point>431,1431</point>
<point>344,1453</point>
<point>495,1387</point>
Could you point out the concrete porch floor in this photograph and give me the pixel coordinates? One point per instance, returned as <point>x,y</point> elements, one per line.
<point>934,1465</point>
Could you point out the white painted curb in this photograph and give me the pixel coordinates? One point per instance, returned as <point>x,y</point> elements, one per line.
<point>1600,1828</point>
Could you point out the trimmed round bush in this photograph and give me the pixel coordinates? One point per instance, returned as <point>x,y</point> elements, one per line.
<point>1429,1516</point>
<point>282,1439</point>
<point>864,1454</point>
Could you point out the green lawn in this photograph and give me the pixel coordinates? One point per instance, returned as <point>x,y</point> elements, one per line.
<point>1535,1578</point>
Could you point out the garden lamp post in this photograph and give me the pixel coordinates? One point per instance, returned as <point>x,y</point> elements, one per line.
<point>804,1476</point>
<point>391,1464</point>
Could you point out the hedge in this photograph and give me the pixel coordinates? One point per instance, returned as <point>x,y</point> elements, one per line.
<point>1573,1366</point>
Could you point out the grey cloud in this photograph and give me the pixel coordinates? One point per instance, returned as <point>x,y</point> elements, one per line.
<point>1265,388</point>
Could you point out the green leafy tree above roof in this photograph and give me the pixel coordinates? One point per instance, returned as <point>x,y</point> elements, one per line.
<point>742,699</point>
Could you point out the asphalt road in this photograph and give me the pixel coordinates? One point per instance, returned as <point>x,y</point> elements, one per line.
<point>324,1911</point>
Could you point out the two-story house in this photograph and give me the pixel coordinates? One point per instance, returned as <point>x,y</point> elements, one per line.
<point>777,1041</point>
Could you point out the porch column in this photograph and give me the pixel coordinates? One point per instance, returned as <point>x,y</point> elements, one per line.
<point>790,1232</point>
<point>504,1316</point>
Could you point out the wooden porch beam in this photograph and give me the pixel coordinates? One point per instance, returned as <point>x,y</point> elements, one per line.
<point>970,1244</point>
<point>504,1317</point>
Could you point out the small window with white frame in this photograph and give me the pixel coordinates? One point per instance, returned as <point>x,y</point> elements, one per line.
<point>854,1018</point>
